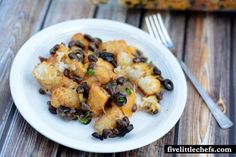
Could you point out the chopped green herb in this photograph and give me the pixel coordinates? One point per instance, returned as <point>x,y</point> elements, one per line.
<point>90,72</point>
<point>86,119</point>
<point>78,42</point>
<point>128,91</point>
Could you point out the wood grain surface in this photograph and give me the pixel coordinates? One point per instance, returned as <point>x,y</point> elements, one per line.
<point>207,54</point>
<point>205,41</point>
<point>21,139</point>
<point>19,20</point>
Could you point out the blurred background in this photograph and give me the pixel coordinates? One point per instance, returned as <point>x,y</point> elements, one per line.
<point>204,39</point>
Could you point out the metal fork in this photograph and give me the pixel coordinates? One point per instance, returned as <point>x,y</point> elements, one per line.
<point>157,30</point>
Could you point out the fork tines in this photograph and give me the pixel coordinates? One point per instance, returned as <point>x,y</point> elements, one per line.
<point>157,29</point>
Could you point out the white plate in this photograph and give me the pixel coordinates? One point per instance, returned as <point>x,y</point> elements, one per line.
<point>33,107</point>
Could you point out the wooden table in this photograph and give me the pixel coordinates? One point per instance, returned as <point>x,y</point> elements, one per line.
<point>205,41</point>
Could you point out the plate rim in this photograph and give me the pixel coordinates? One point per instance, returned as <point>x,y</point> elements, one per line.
<point>42,132</point>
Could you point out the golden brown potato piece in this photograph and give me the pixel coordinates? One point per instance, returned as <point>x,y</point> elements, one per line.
<point>144,67</point>
<point>80,37</point>
<point>63,48</point>
<point>80,69</point>
<point>102,75</point>
<point>117,46</point>
<point>131,50</point>
<point>91,80</point>
<point>108,120</point>
<point>52,59</point>
<point>134,74</point>
<point>49,78</point>
<point>103,71</point>
<point>124,59</point>
<point>58,59</point>
<point>149,85</point>
<point>65,97</point>
<point>150,104</point>
<point>104,64</point>
<point>97,99</point>
<point>76,67</point>
<point>114,46</point>
<point>127,108</point>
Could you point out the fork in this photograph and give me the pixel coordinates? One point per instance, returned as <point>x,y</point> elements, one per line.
<point>157,30</point>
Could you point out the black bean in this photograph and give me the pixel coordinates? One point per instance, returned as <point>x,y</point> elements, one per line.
<point>106,133</point>
<point>109,57</point>
<point>42,59</point>
<point>121,124</point>
<point>78,51</point>
<point>106,56</point>
<point>71,43</point>
<point>168,84</point>
<point>119,99</point>
<point>155,112</point>
<point>85,107</point>
<point>91,65</point>
<point>136,60</point>
<point>156,71</point>
<point>126,120</point>
<point>139,53</point>
<point>120,80</point>
<point>73,111</point>
<point>111,88</point>
<point>97,42</point>
<point>126,130</point>
<point>115,131</point>
<point>139,59</point>
<point>66,73</point>
<point>159,96</point>
<point>92,58</point>
<point>114,63</point>
<point>88,37</point>
<point>74,56</point>
<point>80,89</point>
<point>122,132</point>
<point>134,108</point>
<point>67,113</point>
<point>76,79</point>
<point>96,135</point>
<point>83,88</point>
<point>60,110</point>
<point>130,127</point>
<point>41,91</point>
<point>65,109</point>
<point>112,136</point>
<point>80,44</point>
<point>92,47</point>
<point>81,115</point>
<point>52,109</point>
<point>69,116</point>
<point>54,49</point>
<point>98,39</point>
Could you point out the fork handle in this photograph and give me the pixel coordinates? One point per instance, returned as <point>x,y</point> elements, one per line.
<point>220,117</point>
